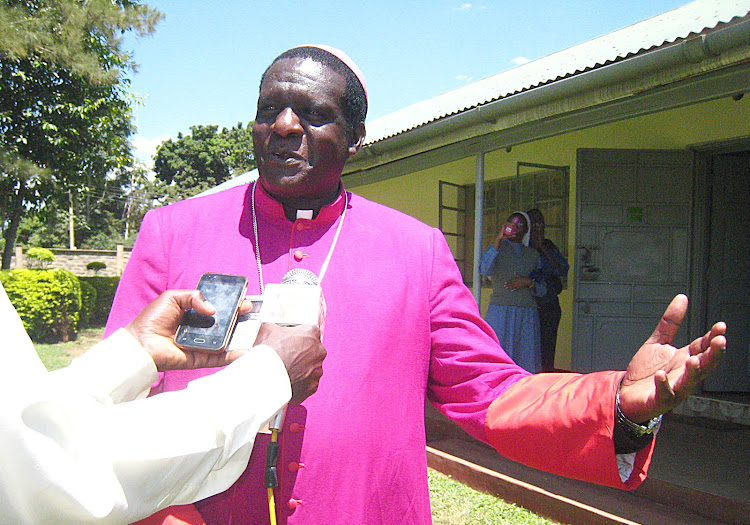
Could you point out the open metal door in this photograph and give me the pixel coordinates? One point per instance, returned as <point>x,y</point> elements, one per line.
<point>728,276</point>
<point>633,231</point>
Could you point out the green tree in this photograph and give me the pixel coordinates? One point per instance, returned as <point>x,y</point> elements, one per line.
<point>140,194</point>
<point>22,186</point>
<point>74,34</point>
<point>112,213</point>
<point>65,115</point>
<point>108,213</point>
<point>205,158</point>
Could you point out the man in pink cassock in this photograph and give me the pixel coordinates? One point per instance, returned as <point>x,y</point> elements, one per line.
<point>401,328</point>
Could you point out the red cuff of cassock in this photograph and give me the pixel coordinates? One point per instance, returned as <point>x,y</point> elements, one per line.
<point>563,423</point>
<point>175,515</point>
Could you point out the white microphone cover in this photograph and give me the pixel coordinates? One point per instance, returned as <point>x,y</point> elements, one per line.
<point>298,299</point>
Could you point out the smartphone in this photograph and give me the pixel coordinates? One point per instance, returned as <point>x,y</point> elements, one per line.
<point>211,333</point>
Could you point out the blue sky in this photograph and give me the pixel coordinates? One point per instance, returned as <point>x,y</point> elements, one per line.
<point>203,64</point>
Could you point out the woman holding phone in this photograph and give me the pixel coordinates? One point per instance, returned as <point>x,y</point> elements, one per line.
<point>509,263</point>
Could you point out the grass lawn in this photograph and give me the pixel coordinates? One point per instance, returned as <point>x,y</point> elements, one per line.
<point>453,503</point>
<point>60,354</point>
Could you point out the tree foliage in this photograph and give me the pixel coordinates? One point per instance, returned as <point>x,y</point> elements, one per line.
<point>108,213</point>
<point>74,34</point>
<point>47,301</point>
<point>65,115</point>
<point>207,157</point>
<point>39,257</point>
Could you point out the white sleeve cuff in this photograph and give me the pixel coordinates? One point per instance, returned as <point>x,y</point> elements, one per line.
<point>117,367</point>
<point>625,464</point>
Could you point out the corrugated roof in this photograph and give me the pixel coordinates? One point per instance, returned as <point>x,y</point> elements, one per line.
<point>655,32</point>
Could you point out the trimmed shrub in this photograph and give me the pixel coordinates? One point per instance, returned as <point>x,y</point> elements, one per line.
<point>105,294</point>
<point>88,304</point>
<point>48,302</point>
<point>95,266</point>
<point>39,257</point>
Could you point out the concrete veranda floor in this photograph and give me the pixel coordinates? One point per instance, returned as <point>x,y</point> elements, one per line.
<point>700,475</point>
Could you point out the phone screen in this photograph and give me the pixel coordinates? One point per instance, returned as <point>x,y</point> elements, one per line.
<point>212,333</point>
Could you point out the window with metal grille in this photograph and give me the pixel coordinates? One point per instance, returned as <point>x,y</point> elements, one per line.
<point>534,186</point>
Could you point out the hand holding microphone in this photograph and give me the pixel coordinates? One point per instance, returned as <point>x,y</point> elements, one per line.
<point>289,317</point>
<point>302,353</point>
<point>295,303</point>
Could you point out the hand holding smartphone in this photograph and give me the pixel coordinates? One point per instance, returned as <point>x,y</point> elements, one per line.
<point>212,333</point>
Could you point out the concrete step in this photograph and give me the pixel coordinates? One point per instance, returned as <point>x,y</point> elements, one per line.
<point>575,502</point>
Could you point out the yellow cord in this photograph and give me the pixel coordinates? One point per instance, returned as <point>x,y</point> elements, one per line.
<point>271,507</point>
<point>271,501</point>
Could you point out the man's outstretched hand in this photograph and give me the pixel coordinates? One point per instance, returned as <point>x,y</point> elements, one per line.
<point>660,376</point>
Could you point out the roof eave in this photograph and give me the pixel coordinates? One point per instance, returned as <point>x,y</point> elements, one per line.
<point>484,117</point>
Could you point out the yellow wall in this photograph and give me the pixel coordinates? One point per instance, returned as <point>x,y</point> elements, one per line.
<point>417,193</point>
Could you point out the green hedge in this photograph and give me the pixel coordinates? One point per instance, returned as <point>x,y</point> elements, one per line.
<point>48,302</point>
<point>105,294</point>
<point>88,304</point>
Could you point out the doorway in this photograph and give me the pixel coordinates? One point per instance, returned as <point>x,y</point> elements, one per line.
<point>727,278</point>
<point>651,224</point>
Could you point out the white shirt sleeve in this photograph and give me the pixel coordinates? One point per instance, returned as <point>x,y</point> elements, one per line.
<point>625,464</point>
<point>72,450</point>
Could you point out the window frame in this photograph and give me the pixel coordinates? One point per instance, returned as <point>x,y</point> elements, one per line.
<point>534,185</point>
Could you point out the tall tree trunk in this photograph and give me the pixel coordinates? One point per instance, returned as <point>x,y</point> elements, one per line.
<point>71,223</point>
<point>14,221</point>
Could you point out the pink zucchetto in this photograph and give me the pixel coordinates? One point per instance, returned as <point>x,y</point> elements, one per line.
<point>344,58</point>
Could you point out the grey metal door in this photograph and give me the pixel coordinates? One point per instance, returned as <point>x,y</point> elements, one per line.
<point>728,284</point>
<point>632,250</point>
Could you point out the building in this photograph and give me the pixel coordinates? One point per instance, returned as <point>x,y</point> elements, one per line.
<point>635,145</point>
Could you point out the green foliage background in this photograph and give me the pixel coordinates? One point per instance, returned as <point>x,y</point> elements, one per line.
<point>88,304</point>
<point>65,113</point>
<point>48,302</point>
<point>203,159</point>
<point>105,293</point>
<point>54,304</point>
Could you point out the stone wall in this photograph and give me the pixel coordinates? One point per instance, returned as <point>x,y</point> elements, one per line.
<point>75,261</point>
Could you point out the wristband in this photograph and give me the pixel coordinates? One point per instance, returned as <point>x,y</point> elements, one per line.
<point>650,427</point>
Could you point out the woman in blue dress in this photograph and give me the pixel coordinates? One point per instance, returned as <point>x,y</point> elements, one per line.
<point>509,263</point>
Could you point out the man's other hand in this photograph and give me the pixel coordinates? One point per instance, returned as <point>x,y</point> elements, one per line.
<point>660,376</point>
<point>302,353</point>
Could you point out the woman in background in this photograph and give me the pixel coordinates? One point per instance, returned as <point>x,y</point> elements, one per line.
<point>509,263</point>
<point>553,271</point>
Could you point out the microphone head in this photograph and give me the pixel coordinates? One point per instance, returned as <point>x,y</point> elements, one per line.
<point>300,276</point>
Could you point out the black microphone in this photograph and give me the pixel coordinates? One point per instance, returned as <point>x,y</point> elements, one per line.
<point>298,299</point>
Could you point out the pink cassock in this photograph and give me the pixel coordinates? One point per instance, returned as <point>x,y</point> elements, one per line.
<point>401,328</point>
